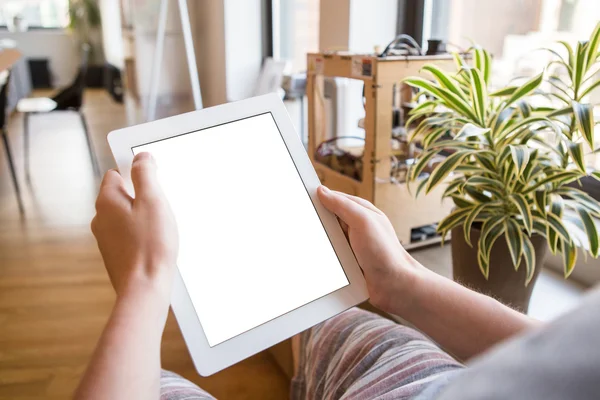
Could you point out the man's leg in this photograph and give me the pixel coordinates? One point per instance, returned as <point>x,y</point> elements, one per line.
<point>360,355</point>
<point>176,387</point>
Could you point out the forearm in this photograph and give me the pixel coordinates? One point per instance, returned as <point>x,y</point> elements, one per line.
<point>126,362</point>
<point>462,321</point>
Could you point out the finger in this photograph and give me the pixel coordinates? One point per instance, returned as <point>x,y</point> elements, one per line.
<point>112,178</point>
<point>112,191</point>
<point>344,227</point>
<point>143,175</point>
<point>361,201</point>
<point>347,210</point>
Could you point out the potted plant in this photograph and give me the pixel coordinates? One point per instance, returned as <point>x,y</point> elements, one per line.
<point>507,174</point>
<point>85,23</point>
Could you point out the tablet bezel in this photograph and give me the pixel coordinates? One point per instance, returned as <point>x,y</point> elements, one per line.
<point>209,360</point>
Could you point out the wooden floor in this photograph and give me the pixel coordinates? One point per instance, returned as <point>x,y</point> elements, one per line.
<point>54,293</point>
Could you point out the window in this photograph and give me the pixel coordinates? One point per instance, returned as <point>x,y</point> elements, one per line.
<point>295,31</point>
<point>512,30</point>
<point>19,14</point>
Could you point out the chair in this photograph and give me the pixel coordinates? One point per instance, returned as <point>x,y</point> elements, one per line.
<point>68,99</point>
<point>4,81</point>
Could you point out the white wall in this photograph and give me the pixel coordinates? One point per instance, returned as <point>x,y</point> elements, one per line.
<point>111,32</point>
<point>243,46</point>
<point>372,24</point>
<point>334,25</point>
<point>56,45</point>
<point>228,45</point>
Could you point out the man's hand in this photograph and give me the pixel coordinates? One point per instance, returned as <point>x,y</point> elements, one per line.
<point>136,236</point>
<point>389,270</point>
<point>460,320</point>
<point>138,241</point>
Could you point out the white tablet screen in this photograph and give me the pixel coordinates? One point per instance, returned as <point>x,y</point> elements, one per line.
<point>252,246</point>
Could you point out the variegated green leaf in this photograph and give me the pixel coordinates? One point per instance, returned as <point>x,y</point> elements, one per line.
<point>453,187</point>
<point>558,226</point>
<point>569,49</point>
<point>509,171</point>
<point>563,177</point>
<point>559,56</point>
<point>578,70</point>
<point>420,187</point>
<point>476,194</point>
<point>461,201</point>
<point>569,256</point>
<point>525,89</point>
<point>487,68</point>
<point>445,168</point>
<point>489,234</point>
<point>556,208</point>
<point>458,60</point>
<point>563,111</point>
<point>487,162</point>
<point>585,121</point>
<point>507,91</point>
<point>469,221</point>
<point>471,130</point>
<point>531,166</point>
<point>524,210</point>
<point>444,80</point>
<point>527,123</point>
<point>422,162</point>
<point>453,219</point>
<point>514,240</point>
<point>529,254</point>
<point>562,87</point>
<point>589,89</point>
<point>478,95</point>
<point>484,264</point>
<point>433,136</point>
<point>520,156</point>
<point>582,198</point>
<point>590,229</point>
<point>591,53</point>
<point>557,205</point>
<point>541,200</point>
<point>451,100</point>
<point>576,151</point>
<point>427,106</point>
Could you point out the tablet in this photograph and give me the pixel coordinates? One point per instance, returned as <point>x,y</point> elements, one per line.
<point>260,258</point>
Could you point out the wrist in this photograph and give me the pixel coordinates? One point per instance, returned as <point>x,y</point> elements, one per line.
<point>402,290</point>
<point>152,288</point>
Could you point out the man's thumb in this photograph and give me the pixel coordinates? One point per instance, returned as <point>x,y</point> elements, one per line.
<point>143,175</point>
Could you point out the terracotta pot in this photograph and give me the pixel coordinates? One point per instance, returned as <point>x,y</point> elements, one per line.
<point>504,283</point>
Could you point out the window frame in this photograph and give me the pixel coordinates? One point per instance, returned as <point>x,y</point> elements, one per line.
<point>267,28</point>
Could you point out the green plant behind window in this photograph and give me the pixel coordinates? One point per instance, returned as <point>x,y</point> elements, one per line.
<point>509,167</point>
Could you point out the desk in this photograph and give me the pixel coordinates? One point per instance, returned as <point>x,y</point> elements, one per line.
<point>20,83</point>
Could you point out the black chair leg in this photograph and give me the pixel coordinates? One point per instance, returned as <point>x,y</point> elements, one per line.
<point>26,145</point>
<point>13,172</point>
<point>90,145</point>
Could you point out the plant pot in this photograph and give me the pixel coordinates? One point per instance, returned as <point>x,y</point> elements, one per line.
<point>504,283</point>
